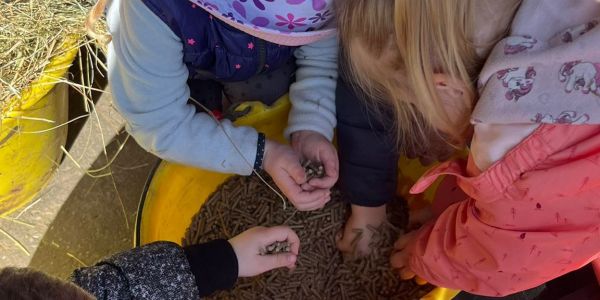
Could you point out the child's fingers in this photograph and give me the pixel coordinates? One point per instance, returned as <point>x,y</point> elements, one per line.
<point>294,192</point>
<point>342,245</point>
<point>296,172</point>
<point>399,260</point>
<point>282,233</point>
<point>420,281</point>
<point>307,187</point>
<point>403,241</point>
<point>275,261</point>
<point>406,273</point>
<point>326,182</point>
<point>287,185</point>
<point>330,161</point>
<point>420,216</point>
<point>315,204</point>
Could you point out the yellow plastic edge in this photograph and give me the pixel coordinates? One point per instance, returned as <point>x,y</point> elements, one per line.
<point>27,161</point>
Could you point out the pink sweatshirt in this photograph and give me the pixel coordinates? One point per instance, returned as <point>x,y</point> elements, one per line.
<point>531,210</point>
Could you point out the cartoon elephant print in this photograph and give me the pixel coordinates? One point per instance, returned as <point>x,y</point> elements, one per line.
<point>578,75</point>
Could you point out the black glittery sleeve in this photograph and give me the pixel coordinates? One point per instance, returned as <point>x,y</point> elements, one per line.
<point>155,271</point>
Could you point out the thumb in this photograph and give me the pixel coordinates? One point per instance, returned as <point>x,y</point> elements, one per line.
<point>330,161</point>
<point>296,171</point>
<point>276,261</point>
<point>402,241</point>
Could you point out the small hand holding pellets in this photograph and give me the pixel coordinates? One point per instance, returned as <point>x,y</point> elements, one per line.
<point>313,169</point>
<point>276,248</point>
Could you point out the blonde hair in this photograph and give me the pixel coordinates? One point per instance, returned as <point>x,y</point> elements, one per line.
<point>392,50</point>
<point>92,19</point>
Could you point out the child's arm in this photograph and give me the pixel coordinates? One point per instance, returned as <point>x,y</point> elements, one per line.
<point>368,166</point>
<point>312,117</point>
<point>148,84</point>
<point>313,93</point>
<point>459,251</point>
<point>164,270</point>
<point>368,153</point>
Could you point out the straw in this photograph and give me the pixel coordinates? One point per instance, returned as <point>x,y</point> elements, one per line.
<point>31,34</point>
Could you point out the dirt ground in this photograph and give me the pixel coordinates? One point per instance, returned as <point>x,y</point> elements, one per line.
<point>78,219</point>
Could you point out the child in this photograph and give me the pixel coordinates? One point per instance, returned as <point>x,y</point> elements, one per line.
<point>398,102</point>
<point>531,211</point>
<point>164,53</point>
<point>159,270</point>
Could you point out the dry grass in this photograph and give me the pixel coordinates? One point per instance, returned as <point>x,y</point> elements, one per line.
<point>31,33</point>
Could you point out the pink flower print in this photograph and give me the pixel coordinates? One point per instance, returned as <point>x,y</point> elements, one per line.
<point>258,3</point>
<point>291,21</point>
<point>251,46</point>
<point>260,21</point>
<point>239,8</point>
<point>191,42</point>
<point>194,5</point>
<point>238,66</point>
<point>316,4</point>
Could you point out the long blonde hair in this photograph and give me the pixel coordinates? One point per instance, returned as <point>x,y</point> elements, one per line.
<point>393,48</point>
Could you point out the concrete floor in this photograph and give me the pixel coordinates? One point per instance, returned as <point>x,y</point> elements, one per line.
<point>78,219</point>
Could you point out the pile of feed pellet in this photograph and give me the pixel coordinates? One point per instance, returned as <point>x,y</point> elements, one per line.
<point>321,273</point>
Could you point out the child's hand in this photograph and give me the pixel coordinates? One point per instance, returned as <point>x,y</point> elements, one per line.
<point>399,259</point>
<point>248,244</point>
<point>315,147</point>
<point>356,238</point>
<point>283,164</point>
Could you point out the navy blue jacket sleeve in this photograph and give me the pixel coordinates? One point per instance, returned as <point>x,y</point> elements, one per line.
<point>367,150</point>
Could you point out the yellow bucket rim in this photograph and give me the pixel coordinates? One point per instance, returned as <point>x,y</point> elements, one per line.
<point>138,219</point>
<point>56,69</point>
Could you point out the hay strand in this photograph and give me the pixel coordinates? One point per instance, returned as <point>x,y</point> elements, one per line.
<point>16,242</point>
<point>32,32</point>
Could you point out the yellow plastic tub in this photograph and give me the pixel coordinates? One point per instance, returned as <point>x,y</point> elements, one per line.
<point>31,135</point>
<point>175,193</point>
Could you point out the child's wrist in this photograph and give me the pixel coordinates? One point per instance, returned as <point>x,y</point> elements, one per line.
<point>373,215</point>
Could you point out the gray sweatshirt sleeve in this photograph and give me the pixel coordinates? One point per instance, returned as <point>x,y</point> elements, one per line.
<point>148,83</point>
<point>313,93</point>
